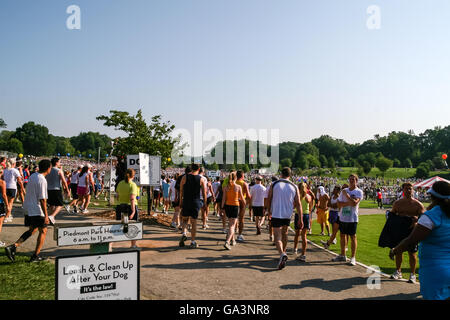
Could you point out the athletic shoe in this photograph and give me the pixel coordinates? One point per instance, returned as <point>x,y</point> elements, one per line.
<point>173,225</point>
<point>194,245</point>
<point>258,231</point>
<point>36,258</point>
<point>339,259</point>
<point>412,278</point>
<point>325,244</point>
<point>310,232</point>
<point>11,252</point>
<point>85,211</point>
<point>240,238</point>
<point>334,241</point>
<point>396,275</point>
<point>353,261</point>
<point>68,209</point>
<point>183,239</point>
<point>52,220</point>
<point>302,258</point>
<point>271,238</point>
<point>233,242</point>
<point>227,246</point>
<point>2,244</point>
<point>322,234</point>
<point>295,251</point>
<point>282,262</point>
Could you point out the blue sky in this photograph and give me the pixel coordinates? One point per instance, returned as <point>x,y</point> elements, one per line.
<point>305,67</point>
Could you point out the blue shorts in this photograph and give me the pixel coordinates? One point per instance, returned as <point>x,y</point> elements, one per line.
<point>333,217</point>
<point>306,221</point>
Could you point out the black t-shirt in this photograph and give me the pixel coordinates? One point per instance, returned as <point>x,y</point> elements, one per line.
<point>178,183</point>
<point>191,189</point>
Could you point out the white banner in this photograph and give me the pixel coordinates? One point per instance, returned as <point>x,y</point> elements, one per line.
<point>155,171</point>
<point>72,236</point>
<point>110,276</point>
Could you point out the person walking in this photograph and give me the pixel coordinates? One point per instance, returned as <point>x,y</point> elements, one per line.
<point>127,192</point>
<point>232,196</point>
<point>322,210</point>
<point>283,197</point>
<point>245,190</point>
<point>56,179</point>
<point>12,178</point>
<point>432,232</point>
<point>4,207</point>
<point>257,195</point>
<point>306,202</point>
<point>333,218</point>
<point>37,216</point>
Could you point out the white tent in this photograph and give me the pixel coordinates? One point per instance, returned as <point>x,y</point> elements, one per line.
<point>429,182</point>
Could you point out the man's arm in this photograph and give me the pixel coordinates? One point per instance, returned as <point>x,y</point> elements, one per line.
<point>183,181</point>
<point>63,180</point>
<point>204,188</point>
<point>43,203</point>
<point>298,206</point>
<point>246,190</point>
<point>269,201</point>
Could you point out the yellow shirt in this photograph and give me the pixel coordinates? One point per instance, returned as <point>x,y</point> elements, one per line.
<point>241,183</point>
<point>125,190</point>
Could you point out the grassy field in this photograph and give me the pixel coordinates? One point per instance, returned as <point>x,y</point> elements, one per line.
<point>22,280</point>
<point>368,252</point>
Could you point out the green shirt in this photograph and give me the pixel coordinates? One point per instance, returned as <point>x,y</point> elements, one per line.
<point>125,190</point>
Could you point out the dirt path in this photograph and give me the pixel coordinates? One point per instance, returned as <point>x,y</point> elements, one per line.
<point>248,271</point>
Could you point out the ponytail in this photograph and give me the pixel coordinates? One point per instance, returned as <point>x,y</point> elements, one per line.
<point>129,175</point>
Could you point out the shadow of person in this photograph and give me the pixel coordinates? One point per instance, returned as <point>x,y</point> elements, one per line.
<point>337,285</point>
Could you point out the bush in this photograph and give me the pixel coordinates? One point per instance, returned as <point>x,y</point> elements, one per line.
<point>422,170</point>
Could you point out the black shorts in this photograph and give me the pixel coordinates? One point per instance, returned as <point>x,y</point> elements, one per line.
<point>348,228</point>
<point>35,221</point>
<point>231,212</point>
<point>175,204</point>
<point>73,190</point>
<point>219,200</point>
<point>156,194</point>
<point>306,221</point>
<point>191,209</point>
<point>126,208</point>
<point>2,209</point>
<point>208,201</point>
<point>55,198</point>
<point>277,223</point>
<point>258,211</point>
<point>11,193</point>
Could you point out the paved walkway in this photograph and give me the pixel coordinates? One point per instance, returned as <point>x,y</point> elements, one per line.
<point>248,271</point>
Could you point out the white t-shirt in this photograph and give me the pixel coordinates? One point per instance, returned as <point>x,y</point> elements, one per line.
<point>36,190</point>
<point>283,195</point>
<point>350,214</point>
<point>74,178</point>
<point>258,193</point>
<point>215,187</point>
<point>10,176</point>
<point>82,180</point>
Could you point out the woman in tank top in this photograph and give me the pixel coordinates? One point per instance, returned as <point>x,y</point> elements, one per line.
<point>232,193</point>
<point>333,217</point>
<point>307,204</point>
<point>82,188</point>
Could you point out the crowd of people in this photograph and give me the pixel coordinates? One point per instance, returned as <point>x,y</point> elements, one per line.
<point>272,202</point>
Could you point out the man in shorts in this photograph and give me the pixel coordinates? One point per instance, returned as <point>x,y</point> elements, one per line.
<point>258,192</point>
<point>55,196</point>
<point>191,186</point>
<point>322,210</point>
<point>283,197</point>
<point>401,221</point>
<point>348,202</point>
<point>37,217</point>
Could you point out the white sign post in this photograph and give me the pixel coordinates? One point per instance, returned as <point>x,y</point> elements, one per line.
<point>111,276</point>
<point>155,171</point>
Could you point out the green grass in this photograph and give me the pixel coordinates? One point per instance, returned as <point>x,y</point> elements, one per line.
<point>22,280</point>
<point>368,252</point>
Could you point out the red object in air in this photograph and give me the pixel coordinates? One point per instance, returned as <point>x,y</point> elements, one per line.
<point>444,156</point>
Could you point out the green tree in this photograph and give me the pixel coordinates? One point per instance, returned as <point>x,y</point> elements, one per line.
<point>397,163</point>
<point>323,161</point>
<point>331,162</point>
<point>286,163</point>
<point>422,170</point>
<point>2,123</point>
<point>35,139</point>
<point>366,167</point>
<point>154,139</point>
<point>407,163</point>
<point>383,164</point>
<point>14,145</point>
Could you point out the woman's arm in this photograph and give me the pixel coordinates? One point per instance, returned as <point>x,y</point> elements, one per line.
<point>224,197</point>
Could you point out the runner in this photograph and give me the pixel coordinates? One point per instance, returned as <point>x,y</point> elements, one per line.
<point>12,178</point>
<point>400,223</point>
<point>91,189</point>
<point>173,195</point>
<point>322,210</point>
<point>37,216</point>
<point>333,218</point>
<point>55,196</point>
<point>258,192</point>
<point>3,203</point>
<point>177,197</point>
<point>313,197</point>
<point>157,195</point>
<point>283,197</point>
<point>232,197</point>
<point>216,185</point>
<point>221,212</point>
<point>165,189</point>
<point>20,187</point>
<point>191,186</point>
<point>348,201</point>
<point>306,201</point>
<point>73,188</point>
<point>247,197</point>
<point>266,205</point>
<point>82,187</point>
<point>211,198</point>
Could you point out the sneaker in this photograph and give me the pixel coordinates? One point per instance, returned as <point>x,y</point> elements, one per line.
<point>2,244</point>
<point>11,252</point>
<point>339,259</point>
<point>183,239</point>
<point>68,209</point>
<point>396,275</point>
<point>271,238</point>
<point>84,211</point>
<point>227,246</point>
<point>282,262</point>
<point>194,245</point>
<point>173,225</point>
<point>322,234</point>
<point>233,242</point>
<point>240,238</point>
<point>52,220</point>
<point>295,251</point>
<point>412,278</point>
<point>258,231</point>
<point>325,244</point>
<point>36,258</point>
<point>302,258</point>
<point>310,232</point>
<point>334,241</point>
<point>353,261</point>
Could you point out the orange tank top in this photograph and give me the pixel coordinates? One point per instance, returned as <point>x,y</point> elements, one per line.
<point>232,196</point>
